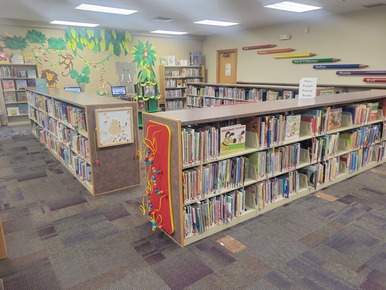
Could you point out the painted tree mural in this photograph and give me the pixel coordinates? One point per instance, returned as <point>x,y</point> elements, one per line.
<point>145,57</point>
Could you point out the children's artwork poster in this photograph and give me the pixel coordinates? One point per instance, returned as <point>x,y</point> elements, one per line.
<point>114,126</point>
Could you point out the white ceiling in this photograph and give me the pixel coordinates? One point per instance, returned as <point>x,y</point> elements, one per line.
<point>249,13</point>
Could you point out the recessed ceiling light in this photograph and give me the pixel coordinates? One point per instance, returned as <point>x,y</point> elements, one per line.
<point>169,32</point>
<point>70,23</point>
<point>105,9</point>
<point>293,6</point>
<point>216,23</point>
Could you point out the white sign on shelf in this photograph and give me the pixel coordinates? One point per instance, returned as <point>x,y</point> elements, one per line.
<point>307,88</point>
<point>227,69</point>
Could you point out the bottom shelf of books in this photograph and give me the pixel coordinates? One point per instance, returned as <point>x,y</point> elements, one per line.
<point>231,171</point>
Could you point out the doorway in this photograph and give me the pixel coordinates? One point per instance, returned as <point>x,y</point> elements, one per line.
<point>226,66</point>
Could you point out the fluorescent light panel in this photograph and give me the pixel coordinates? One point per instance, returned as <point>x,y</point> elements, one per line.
<point>169,32</point>
<point>293,6</point>
<point>70,23</point>
<point>105,9</point>
<point>216,23</point>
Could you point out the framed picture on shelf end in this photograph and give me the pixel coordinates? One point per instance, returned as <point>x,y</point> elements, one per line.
<point>114,127</point>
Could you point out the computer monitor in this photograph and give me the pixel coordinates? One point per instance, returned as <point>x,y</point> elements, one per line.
<point>74,89</point>
<point>117,91</point>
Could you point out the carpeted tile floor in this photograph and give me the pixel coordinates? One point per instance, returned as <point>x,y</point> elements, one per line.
<point>61,237</point>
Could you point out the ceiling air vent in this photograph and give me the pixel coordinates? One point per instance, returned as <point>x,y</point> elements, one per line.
<point>373,5</point>
<point>163,19</point>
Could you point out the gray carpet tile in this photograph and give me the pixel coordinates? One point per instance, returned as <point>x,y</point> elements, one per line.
<point>61,237</point>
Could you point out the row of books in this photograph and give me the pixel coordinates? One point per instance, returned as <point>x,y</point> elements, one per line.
<point>183,72</point>
<point>357,159</point>
<point>199,144</point>
<point>64,112</point>
<point>61,133</point>
<point>13,72</point>
<point>202,216</point>
<point>79,166</point>
<point>22,84</point>
<point>320,173</point>
<point>360,137</point>
<point>322,148</point>
<point>15,97</point>
<point>200,182</point>
<point>273,161</point>
<point>20,109</point>
<point>178,93</point>
<point>175,104</point>
<point>274,189</point>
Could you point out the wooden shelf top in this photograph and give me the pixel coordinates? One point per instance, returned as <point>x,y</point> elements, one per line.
<point>79,99</point>
<point>249,109</point>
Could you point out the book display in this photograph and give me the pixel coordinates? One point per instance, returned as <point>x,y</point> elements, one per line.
<point>173,80</point>
<point>15,78</point>
<point>94,137</point>
<point>200,95</point>
<point>285,152</point>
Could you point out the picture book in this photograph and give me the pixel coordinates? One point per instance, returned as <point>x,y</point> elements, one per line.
<point>288,95</point>
<point>21,96</point>
<point>292,127</point>
<point>335,119</point>
<point>21,74</point>
<point>31,73</point>
<point>4,57</point>
<point>232,138</point>
<point>8,85</point>
<point>23,109</point>
<point>171,59</point>
<point>272,95</point>
<point>13,111</point>
<point>21,84</point>
<point>28,57</point>
<point>195,58</point>
<point>10,97</point>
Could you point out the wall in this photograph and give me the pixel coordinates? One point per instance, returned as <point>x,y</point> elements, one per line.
<point>352,37</point>
<point>114,66</point>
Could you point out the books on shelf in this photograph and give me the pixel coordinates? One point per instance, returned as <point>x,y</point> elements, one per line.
<point>21,96</point>
<point>335,119</point>
<point>31,73</point>
<point>8,85</point>
<point>171,60</point>
<point>23,109</point>
<point>232,138</point>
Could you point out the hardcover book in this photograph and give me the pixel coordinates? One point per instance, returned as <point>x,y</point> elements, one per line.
<point>10,97</point>
<point>23,109</point>
<point>292,127</point>
<point>195,58</point>
<point>272,95</point>
<point>21,96</point>
<point>13,111</point>
<point>21,84</point>
<point>335,120</point>
<point>31,73</point>
<point>288,95</point>
<point>8,85</point>
<point>232,138</point>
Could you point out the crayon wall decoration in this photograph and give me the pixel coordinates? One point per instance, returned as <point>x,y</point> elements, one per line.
<point>360,72</point>
<point>374,80</point>
<point>315,60</point>
<point>280,50</point>
<point>294,55</point>
<point>328,66</point>
<point>259,46</point>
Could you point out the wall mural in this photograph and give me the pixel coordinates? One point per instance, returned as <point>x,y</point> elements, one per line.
<point>80,55</point>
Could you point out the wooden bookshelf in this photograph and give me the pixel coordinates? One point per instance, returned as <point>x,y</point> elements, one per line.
<point>173,84</point>
<point>14,79</point>
<point>71,125</point>
<point>179,121</point>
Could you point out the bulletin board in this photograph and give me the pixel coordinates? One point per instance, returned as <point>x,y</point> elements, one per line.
<point>114,126</point>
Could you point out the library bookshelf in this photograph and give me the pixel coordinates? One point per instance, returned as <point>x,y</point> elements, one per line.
<point>200,95</point>
<point>15,78</point>
<point>173,84</point>
<point>257,187</point>
<point>78,129</point>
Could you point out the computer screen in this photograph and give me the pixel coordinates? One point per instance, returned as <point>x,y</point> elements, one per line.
<point>74,89</point>
<point>118,90</point>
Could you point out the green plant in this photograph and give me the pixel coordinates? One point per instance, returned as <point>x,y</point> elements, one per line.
<point>81,78</point>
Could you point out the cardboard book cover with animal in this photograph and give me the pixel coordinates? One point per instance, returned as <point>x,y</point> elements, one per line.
<point>232,138</point>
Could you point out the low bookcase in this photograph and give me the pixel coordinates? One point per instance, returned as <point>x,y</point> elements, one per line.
<point>290,150</point>
<point>94,137</point>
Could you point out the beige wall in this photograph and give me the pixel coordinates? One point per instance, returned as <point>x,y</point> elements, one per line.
<point>353,37</point>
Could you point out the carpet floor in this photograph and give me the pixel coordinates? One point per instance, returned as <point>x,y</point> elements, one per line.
<point>59,236</point>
